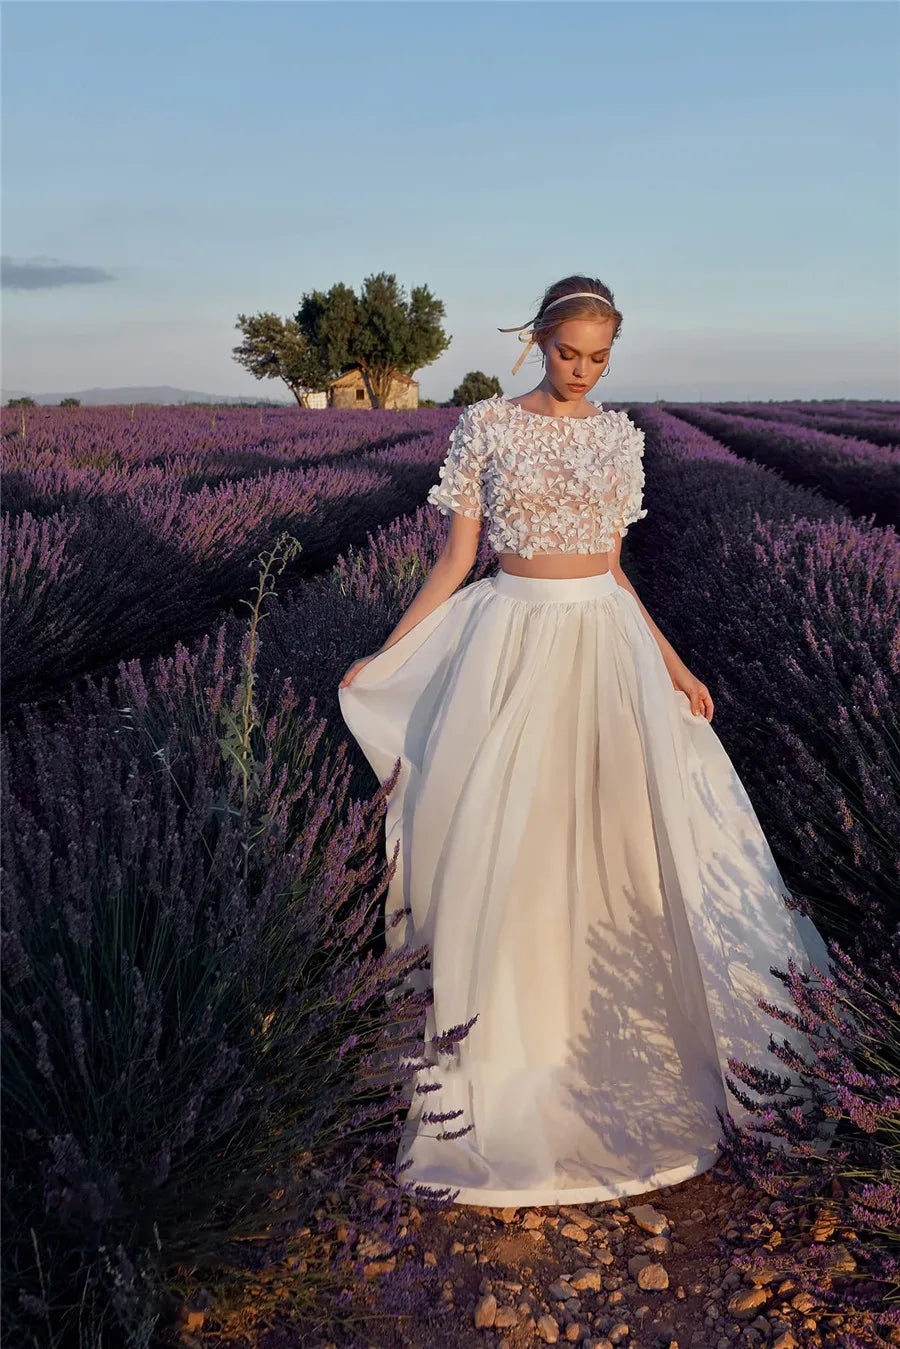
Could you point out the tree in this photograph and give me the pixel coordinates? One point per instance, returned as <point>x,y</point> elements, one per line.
<point>380,333</point>
<point>70,402</point>
<point>25,402</point>
<point>473,387</point>
<point>274,348</point>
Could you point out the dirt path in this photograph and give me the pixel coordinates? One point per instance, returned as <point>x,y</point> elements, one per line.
<point>652,1271</point>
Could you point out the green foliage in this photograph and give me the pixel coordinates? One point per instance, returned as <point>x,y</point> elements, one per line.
<point>473,387</point>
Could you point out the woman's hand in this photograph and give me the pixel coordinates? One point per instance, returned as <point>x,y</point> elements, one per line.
<point>701,702</point>
<point>352,671</point>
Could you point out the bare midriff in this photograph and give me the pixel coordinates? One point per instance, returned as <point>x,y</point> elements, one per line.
<point>558,566</point>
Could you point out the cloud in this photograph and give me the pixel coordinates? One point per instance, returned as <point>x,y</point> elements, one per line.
<point>47,274</point>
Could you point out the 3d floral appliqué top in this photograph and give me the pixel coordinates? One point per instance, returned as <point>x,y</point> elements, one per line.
<point>546,484</point>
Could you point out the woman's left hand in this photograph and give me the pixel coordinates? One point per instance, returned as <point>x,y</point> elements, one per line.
<point>701,701</point>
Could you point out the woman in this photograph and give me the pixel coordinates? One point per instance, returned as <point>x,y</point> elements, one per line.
<point>575,847</point>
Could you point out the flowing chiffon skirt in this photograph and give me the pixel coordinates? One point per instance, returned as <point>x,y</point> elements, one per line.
<point>587,870</point>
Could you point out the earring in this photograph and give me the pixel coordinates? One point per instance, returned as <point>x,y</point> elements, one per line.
<point>605,373</point>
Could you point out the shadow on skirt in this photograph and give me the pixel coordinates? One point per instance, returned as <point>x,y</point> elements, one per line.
<point>587,870</point>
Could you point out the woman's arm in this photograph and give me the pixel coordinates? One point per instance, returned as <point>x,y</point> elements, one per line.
<point>446,576</point>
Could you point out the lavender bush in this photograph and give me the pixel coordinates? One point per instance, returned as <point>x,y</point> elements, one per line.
<point>197,1038</point>
<point>793,621</point>
<point>840,1208</point>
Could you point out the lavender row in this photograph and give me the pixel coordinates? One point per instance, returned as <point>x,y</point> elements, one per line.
<point>865,477</point>
<point>788,608</point>
<point>136,561</point>
<point>879,428</point>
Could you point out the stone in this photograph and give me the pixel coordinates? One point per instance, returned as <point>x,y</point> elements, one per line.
<point>785,1341</point>
<point>573,1332</point>
<point>658,1245</point>
<point>619,1332</point>
<point>575,1215</point>
<point>760,1277</point>
<point>532,1220</point>
<point>587,1280</point>
<point>648,1218</point>
<point>573,1232</point>
<point>560,1292</point>
<point>506,1318</point>
<point>376,1267</point>
<point>745,1303</point>
<point>653,1277</point>
<point>803,1302</point>
<point>485,1312</point>
<point>547,1328</point>
<point>637,1262</point>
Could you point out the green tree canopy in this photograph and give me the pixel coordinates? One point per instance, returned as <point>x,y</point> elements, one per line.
<point>379,332</point>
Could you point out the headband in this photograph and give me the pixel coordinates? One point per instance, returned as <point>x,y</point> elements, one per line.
<point>528,336</point>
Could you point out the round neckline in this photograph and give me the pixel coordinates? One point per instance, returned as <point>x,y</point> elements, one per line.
<point>548,416</point>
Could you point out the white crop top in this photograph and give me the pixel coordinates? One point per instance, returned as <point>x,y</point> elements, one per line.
<point>546,484</point>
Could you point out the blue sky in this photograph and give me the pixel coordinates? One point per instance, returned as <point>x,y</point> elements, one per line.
<point>730,170</point>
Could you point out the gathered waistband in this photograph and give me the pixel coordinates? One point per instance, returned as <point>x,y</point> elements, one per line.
<point>563,588</point>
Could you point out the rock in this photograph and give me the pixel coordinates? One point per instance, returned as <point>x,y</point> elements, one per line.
<point>648,1218</point>
<point>485,1312</point>
<point>604,1256</point>
<point>573,1232</point>
<point>430,1259</point>
<point>506,1318</point>
<point>824,1225</point>
<point>506,1215</point>
<point>785,1341</point>
<point>587,1280</point>
<point>842,1262</point>
<point>745,1303</point>
<point>575,1215</point>
<point>637,1262</point>
<point>658,1245</point>
<point>375,1267</point>
<point>619,1332</point>
<point>560,1292</point>
<point>573,1332</point>
<point>803,1302</point>
<point>761,1277</point>
<point>653,1277</point>
<point>532,1219</point>
<point>547,1328</point>
<point>456,1247</point>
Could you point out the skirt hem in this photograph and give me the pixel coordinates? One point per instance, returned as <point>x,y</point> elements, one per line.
<point>584,1194</point>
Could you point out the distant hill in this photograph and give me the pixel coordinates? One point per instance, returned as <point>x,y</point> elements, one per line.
<point>162,393</point>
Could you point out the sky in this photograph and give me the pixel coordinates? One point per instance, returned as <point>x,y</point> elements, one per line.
<point>730,170</point>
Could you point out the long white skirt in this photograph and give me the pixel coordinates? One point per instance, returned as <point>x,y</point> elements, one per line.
<point>581,858</point>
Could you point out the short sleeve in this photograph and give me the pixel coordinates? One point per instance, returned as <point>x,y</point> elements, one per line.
<point>459,489</point>
<point>629,507</point>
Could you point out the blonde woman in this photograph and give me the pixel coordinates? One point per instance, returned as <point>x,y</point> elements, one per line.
<point>575,847</point>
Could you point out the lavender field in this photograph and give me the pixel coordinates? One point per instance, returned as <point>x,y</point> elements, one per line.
<point>202,1050</point>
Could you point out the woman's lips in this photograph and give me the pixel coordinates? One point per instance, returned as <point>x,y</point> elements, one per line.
<point>577,386</point>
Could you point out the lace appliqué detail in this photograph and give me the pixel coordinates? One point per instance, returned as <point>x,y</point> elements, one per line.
<point>545,484</point>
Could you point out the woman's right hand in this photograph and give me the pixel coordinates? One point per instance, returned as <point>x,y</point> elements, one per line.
<point>352,671</point>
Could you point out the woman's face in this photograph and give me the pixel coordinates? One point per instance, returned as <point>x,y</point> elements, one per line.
<point>576,355</point>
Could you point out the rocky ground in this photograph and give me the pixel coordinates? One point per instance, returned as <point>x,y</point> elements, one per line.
<point>653,1271</point>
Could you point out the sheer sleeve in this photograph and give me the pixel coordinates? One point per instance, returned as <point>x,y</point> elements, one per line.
<point>629,502</point>
<point>459,488</point>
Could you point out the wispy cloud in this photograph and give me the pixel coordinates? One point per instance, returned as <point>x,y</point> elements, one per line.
<point>47,274</point>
